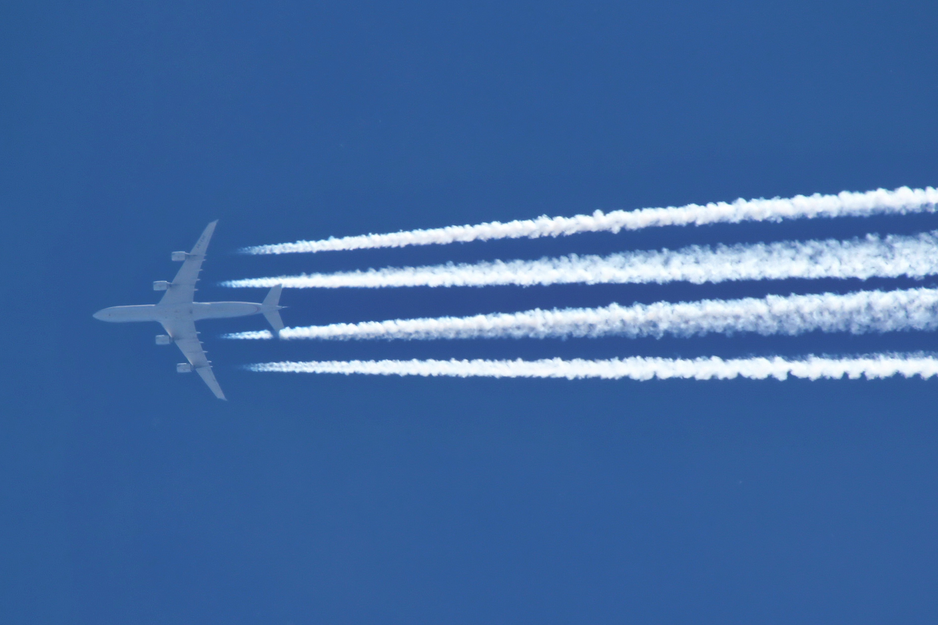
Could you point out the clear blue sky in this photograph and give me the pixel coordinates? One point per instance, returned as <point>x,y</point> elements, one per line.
<point>129,494</point>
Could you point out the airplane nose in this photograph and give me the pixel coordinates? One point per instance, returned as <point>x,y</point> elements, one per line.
<point>99,315</point>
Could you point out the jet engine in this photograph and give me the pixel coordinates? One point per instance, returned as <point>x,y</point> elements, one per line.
<point>163,339</point>
<point>183,367</point>
<point>160,285</point>
<point>178,256</point>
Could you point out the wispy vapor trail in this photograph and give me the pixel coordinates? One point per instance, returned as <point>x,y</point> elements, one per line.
<point>892,256</point>
<point>857,313</point>
<point>812,367</point>
<point>844,204</point>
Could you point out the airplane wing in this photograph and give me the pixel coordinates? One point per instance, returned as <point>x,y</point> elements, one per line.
<point>184,334</point>
<point>182,289</point>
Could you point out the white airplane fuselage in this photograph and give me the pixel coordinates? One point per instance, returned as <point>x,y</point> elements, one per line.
<point>195,311</point>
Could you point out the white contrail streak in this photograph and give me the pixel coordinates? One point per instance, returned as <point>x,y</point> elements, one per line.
<point>891,256</point>
<point>857,313</point>
<point>845,204</point>
<point>812,367</point>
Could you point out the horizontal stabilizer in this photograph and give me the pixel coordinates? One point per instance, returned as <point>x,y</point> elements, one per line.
<point>271,308</point>
<point>273,318</point>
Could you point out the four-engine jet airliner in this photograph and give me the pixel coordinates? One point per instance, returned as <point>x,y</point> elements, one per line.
<point>177,311</point>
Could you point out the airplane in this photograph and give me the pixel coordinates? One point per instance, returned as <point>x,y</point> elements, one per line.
<point>177,311</point>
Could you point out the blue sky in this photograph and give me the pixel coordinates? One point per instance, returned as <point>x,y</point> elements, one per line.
<point>131,495</point>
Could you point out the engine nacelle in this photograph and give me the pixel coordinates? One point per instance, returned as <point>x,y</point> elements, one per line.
<point>160,285</point>
<point>179,256</point>
<point>183,367</point>
<point>163,339</point>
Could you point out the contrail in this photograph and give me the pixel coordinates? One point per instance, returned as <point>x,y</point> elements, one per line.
<point>812,367</point>
<point>891,256</point>
<point>858,313</point>
<point>845,204</point>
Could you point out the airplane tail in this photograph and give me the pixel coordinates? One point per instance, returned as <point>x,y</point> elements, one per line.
<point>271,308</point>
